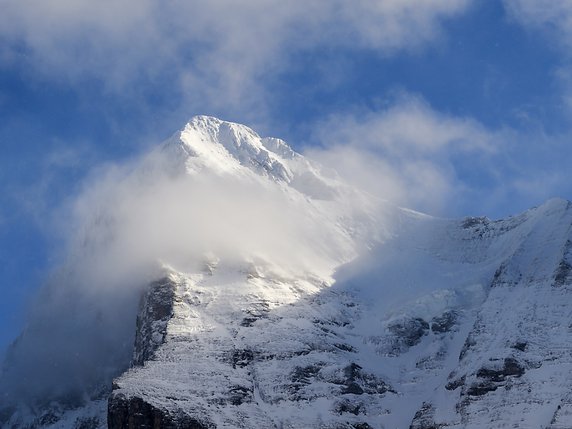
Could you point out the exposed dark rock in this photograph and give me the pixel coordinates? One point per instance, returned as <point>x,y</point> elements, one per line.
<point>248,321</point>
<point>555,416</point>
<point>357,382</point>
<point>563,274</point>
<point>241,358</point>
<point>503,277</point>
<point>562,415</point>
<point>117,411</point>
<point>347,406</point>
<point>301,377</point>
<point>478,226</point>
<point>492,378</point>
<point>408,333</point>
<point>471,222</point>
<point>304,375</point>
<point>352,371</point>
<point>520,345</point>
<point>240,395</point>
<point>511,367</point>
<point>506,275</point>
<point>444,323</point>
<point>155,310</point>
<point>361,426</point>
<point>48,419</point>
<point>331,322</point>
<point>497,277</point>
<point>432,361</point>
<point>352,388</point>
<point>255,312</point>
<point>482,388</point>
<point>351,379</point>
<point>344,347</point>
<point>135,413</point>
<point>469,342</point>
<point>455,384</point>
<point>424,418</point>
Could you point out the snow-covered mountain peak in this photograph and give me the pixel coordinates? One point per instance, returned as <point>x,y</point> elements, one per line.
<point>235,137</point>
<point>210,145</point>
<point>287,298</point>
<point>226,147</point>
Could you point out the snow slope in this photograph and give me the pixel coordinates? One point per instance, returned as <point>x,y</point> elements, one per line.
<point>362,315</point>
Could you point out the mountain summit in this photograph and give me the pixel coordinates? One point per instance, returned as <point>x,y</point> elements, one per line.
<point>226,147</point>
<point>252,289</point>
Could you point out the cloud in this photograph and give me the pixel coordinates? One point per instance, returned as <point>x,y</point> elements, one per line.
<point>217,52</point>
<point>407,152</point>
<point>131,222</point>
<point>553,20</point>
<point>415,156</point>
<point>553,17</point>
<point>126,226</point>
<point>409,125</point>
<point>33,198</point>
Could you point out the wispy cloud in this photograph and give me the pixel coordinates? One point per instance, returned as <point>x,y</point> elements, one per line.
<point>416,156</point>
<point>35,196</point>
<point>127,221</point>
<point>551,20</point>
<point>217,52</point>
<point>407,152</point>
<point>409,127</point>
<point>553,17</point>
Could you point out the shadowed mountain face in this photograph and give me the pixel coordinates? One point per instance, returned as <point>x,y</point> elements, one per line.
<point>328,309</point>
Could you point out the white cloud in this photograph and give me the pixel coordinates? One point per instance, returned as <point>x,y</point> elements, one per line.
<point>133,220</point>
<point>418,157</point>
<point>217,51</point>
<point>553,16</point>
<point>552,19</point>
<point>543,157</point>
<point>409,125</point>
<point>406,153</point>
<point>118,230</point>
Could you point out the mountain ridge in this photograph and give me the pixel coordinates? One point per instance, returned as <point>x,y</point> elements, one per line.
<point>358,315</point>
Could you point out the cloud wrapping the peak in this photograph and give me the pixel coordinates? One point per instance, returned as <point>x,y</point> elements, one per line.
<point>134,222</point>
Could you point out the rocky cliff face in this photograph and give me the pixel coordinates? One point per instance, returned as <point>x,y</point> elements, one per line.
<point>155,311</point>
<point>136,413</point>
<point>378,317</point>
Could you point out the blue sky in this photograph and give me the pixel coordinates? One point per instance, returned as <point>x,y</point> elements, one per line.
<point>454,107</point>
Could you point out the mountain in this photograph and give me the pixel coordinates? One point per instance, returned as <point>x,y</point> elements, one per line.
<point>284,298</point>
